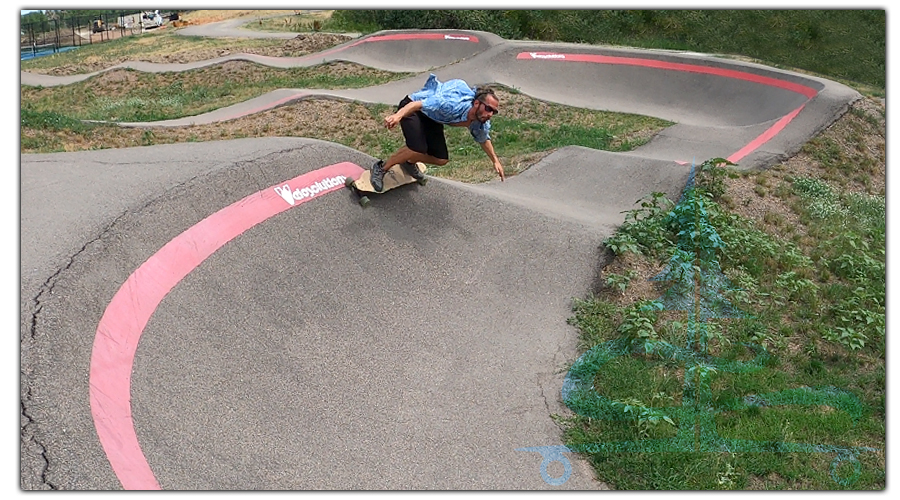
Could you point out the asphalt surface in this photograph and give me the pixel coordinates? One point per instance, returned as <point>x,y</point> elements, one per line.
<point>187,324</point>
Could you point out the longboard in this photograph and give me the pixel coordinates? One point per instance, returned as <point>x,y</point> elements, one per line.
<point>394,177</point>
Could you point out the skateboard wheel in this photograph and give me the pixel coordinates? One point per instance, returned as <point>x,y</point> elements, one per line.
<point>364,201</point>
<point>348,182</point>
<point>422,181</point>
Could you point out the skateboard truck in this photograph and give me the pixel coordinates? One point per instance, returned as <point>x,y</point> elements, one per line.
<point>394,177</point>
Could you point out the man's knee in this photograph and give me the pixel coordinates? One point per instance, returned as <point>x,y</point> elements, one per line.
<point>440,161</point>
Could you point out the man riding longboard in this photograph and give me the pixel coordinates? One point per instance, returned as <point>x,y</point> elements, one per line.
<point>422,116</point>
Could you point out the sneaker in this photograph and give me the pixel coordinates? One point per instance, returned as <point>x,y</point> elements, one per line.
<point>377,178</point>
<point>413,170</point>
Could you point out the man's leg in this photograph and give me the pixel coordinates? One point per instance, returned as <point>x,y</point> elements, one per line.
<point>414,132</point>
<point>405,154</point>
<point>425,143</point>
<point>407,159</point>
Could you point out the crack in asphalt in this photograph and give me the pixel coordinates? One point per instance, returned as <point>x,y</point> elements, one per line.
<point>26,429</point>
<point>29,427</point>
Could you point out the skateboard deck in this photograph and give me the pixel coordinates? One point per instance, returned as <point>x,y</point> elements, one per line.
<point>394,177</point>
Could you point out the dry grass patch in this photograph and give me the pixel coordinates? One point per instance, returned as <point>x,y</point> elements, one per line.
<point>771,208</point>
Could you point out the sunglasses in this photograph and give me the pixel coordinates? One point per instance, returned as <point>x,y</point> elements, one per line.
<point>490,109</point>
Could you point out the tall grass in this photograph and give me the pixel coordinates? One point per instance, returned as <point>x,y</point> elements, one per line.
<point>817,311</point>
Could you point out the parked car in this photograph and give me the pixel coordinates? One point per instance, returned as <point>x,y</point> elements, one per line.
<point>151,19</point>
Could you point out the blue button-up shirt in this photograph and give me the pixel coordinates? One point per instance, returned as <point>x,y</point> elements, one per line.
<point>449,102</point>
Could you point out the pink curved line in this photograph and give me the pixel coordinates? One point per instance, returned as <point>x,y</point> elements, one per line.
<point>692,68</point>
<point>656,64</point>
<point>129,311</point>
<point>765,136</point>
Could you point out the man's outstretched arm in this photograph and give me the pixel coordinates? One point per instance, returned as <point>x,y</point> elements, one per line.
<point>489,150</point>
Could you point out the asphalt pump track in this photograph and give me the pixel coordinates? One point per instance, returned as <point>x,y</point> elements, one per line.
<point>224,316</point>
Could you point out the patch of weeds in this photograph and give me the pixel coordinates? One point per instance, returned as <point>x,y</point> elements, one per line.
<point>639,319</point>
<point>774,219</point>
<point>36,144</point>
<point>644,231</point>
<point>620,281</point>
<point>148,138</point>
<point>827,152</point>
<point>831,307</point>
<point>596,319</point>
<point>794,288</point>
<point>868,210</point>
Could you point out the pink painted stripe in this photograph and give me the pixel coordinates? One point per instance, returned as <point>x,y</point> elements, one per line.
<point>690,68</point>
<point>727,73</point>
<point>129,311</point>
<point>765,136</point>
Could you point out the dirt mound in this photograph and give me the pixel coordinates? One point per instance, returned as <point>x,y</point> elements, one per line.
<point>213,16</point>
<point>307,43</point>
<point>301,45</point>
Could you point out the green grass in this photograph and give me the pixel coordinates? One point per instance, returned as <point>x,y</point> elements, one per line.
<point>512,137</point>
<point>48,120</point>
<point>817,309</point>
<point>527,126</point>
<point>46,123</point>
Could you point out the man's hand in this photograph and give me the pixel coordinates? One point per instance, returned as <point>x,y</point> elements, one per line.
<point>488,148</point>
<point>391,121</point>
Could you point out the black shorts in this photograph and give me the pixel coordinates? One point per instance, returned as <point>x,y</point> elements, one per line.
<point>423,135</point>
